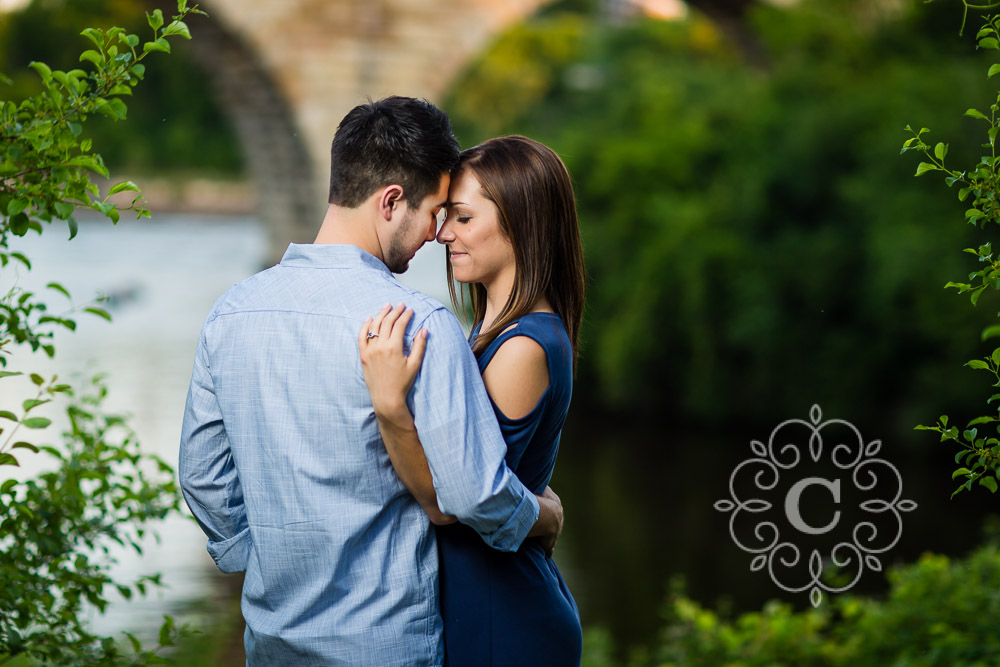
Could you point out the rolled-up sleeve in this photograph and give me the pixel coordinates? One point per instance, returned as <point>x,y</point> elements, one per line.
<point>208,477</point>
<point>462,442</point>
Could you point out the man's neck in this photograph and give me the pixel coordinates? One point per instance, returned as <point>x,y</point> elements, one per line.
<point>348,226</point>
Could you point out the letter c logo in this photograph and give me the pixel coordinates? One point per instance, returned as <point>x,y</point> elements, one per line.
<point>792,504</point>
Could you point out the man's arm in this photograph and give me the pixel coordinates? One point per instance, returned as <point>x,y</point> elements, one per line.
<point>208,477</point>
<point>407,455</point>
<point>462,442</point>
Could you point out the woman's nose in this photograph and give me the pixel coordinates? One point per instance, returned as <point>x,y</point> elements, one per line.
<point>445,234</point>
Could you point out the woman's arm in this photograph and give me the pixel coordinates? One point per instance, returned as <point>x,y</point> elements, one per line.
<point>389,376</point>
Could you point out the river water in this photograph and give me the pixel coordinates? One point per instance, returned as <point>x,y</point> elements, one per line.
<point>639,497</point>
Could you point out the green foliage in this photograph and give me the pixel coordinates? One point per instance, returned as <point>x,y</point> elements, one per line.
<point>175,110</point>
<point>979,455</point>
<point>747,243</point>
<point>57,528</point>
<point>937,613</point>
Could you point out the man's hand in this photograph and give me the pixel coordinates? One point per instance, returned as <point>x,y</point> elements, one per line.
<point>550,520</point>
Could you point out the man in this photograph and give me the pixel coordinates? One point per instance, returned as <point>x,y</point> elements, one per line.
<point>281,460</point>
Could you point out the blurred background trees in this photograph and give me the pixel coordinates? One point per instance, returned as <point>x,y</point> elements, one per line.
<point>751,241</point>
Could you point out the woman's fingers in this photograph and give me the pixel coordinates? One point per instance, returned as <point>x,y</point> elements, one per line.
<point>399,326</point>
<point>417,352</point>
<point>385,330</point>
<point>363,335</point>
<point>379,318</point>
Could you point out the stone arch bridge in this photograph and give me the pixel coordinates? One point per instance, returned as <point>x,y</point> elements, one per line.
<point>286,72</point>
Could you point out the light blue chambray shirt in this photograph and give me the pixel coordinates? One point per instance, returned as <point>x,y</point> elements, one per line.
<point>282,464</point>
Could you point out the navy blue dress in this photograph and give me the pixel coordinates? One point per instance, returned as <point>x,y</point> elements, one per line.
<point>504,608</point>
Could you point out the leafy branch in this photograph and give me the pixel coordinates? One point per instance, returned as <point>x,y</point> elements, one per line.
<point>57,528</point>
<point>979,455</point>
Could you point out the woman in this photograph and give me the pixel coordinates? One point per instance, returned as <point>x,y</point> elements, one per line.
<point>512,237</point>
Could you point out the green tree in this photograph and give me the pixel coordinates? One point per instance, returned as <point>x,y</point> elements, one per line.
<point>57,528</point>
<point>747,242</point>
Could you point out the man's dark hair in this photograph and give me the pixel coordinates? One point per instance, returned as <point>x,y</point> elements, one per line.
<point>398,140</point>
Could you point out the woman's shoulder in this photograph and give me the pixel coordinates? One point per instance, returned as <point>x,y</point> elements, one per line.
<point>517,376</point>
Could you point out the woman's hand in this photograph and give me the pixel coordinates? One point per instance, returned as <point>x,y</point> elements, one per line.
<point>388,373</point>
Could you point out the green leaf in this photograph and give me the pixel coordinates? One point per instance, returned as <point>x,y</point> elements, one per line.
<point>989,482</point>
<point>989,43</point>
<point>16,206</point>
<point>37,379</point>
<point>100,312</point>
<point>43,70</point>
<point>115,108</point>
<point>975,113</point>
<point>177,28</point>
<point>8,460</point>
<point>94,35</point>
<point>8,485</point>
<point>991,331</point>
<point>59,288</point>
<point>924,167</point>
<point>159,45</point>
<point>25,445</point>
<point>36,422</point>
<point>974,297</point>
<point>92,56</point>
<point>18,226</point>
<point>155,19</point>
<point>73,228</point>
<point>977,364</point>
<point>123,186</point>
<point>7,414</point>
<point>959,472</point>
<point>994,70</point>
<point>981,420</point>
<point>7,374</point>
<point>940,150</point>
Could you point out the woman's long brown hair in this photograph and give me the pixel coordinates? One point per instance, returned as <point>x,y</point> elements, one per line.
<point>536,210</point>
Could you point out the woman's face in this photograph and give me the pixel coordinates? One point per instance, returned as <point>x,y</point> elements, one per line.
<point>479,251</point>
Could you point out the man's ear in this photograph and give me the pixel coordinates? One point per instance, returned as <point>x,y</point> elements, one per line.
<point>390,201</point>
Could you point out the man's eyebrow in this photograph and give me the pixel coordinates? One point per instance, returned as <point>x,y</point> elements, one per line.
<point>454,203</point>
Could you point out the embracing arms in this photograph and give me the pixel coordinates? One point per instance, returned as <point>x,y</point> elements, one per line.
<point>389,375</point>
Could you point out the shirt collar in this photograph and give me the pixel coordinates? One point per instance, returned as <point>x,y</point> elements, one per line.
<point>331,256</point>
